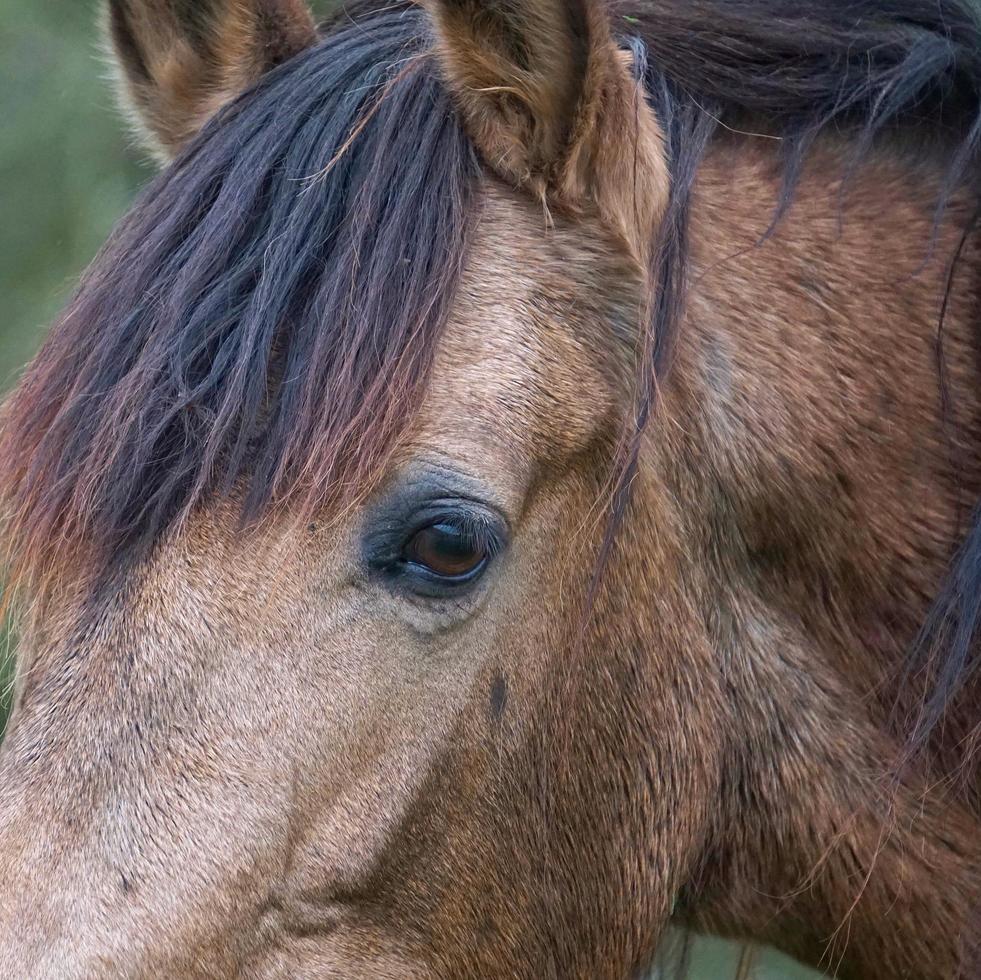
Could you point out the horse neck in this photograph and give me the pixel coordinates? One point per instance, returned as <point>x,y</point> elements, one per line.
<point>823,496</point>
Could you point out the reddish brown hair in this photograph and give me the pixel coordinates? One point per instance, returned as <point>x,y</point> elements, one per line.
<point>265,315</point>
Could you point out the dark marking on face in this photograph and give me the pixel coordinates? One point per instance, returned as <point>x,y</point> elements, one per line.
<point>815,287</point>
<point>487,931</point>
<point>498,697</point>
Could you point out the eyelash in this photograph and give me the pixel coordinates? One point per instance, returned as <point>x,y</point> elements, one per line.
<point>478,531</point>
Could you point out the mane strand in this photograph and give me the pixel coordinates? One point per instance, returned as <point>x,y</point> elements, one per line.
<point>265,315</point>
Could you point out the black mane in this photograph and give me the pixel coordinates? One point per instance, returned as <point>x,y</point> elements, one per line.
<point>266,313</point>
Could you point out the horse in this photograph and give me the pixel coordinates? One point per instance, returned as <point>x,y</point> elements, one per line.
<point>505,487</point>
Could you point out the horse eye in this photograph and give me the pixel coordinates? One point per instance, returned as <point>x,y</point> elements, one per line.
<point>446,551</point>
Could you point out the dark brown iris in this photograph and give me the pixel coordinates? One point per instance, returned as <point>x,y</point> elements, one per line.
<point>446,551</point>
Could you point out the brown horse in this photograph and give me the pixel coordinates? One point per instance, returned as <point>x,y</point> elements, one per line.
<point>491,495</point>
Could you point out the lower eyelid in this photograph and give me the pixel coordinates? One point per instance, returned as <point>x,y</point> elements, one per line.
<point>450,581</point>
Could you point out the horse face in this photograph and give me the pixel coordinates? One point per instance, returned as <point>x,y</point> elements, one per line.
<point>329,750</point>
<point>310,491</point>
<point>381,741</point>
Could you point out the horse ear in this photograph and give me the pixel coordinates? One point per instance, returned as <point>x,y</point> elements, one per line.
<point>553,105</point>
<point>179,61</point>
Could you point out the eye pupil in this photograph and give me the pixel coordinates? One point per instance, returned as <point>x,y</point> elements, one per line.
<point>445,551</point>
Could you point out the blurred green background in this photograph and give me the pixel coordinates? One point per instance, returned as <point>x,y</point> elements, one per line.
<point>68,170</point>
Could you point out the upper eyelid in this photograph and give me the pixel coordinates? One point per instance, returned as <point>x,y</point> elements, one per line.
<point>472,514</point>
<point>491,534</point>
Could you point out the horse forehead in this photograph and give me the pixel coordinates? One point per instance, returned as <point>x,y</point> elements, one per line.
<point>523,360</point>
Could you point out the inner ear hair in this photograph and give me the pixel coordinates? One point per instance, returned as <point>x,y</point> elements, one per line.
<point>518,70</point>
<point>554,107</point>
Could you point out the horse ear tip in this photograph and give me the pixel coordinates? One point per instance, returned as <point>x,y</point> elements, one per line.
<point>170,106</point>
<point>524,84</point>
